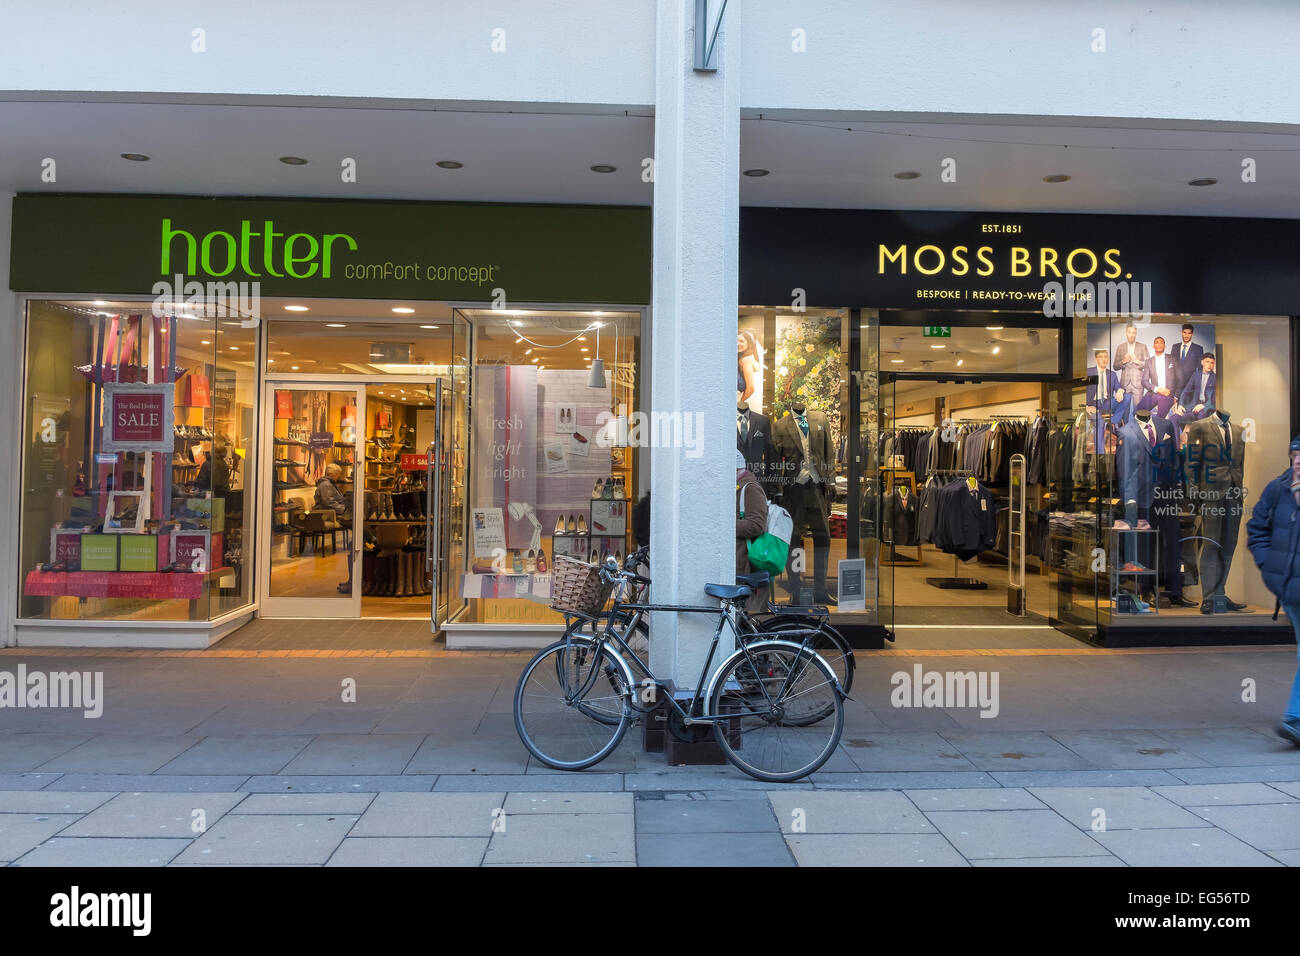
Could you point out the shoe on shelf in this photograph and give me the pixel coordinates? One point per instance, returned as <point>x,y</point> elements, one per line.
<point>1289,729</point>
<point>1121,525</point>
<point>582,524</point>
<point>600,486</point>
<point>530,563</point>
<point>1177,600</point>
<point>1133,566</point>
<point>573,525</point>
<point>559,525</point>
<point>1233,605</point>
<point>1207,607</point>
<point>1144,525</point>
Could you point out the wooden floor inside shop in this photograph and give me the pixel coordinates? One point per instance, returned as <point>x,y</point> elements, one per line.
<point>318,576</point>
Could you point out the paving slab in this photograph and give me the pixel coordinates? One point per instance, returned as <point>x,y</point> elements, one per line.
<point>903,780</point>
<point>1005,798</point>
<point>712,849</point>
<point>107,753</point>
<point>431,815</point>
<point>469,755</point>
<point>564,837</point>
<point>19,832</point>
<point>335,783</point>
<point>873,849</point>
<point>162,783</point>
<point>98,851</point>
<point>882,751</point>
<point>871,811</point>
<point>1127,749</point>
<point>327,803</point>
<point>409,851</point>
<point>489,782</point>
<point>1226,794</point>
<point>1267,827</point>
<point>261,839</point>
<point>1085,778</point>
<point>1181,848</point>
<point>1291,788</point>
<point>1115,808</point>
<point>1027,750</point>
<point>27,751</point>
<point>569,803</point>
<point>705,816</point>
<point>51,801</point>
<point>238,755</point>
<point>356,754</point>
<point>27,781</point>
<point>1259,774</point>
<point>154,815</point>
<point>989,834</point>
<point>1070,861</point>
<point>1235,747</point>
<point>1286,857</point>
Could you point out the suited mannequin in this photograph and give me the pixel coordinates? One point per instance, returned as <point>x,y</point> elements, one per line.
<point>1167,482</point>
<point>754,441</point>
<point>1215,456</point>
<point>802,440</point>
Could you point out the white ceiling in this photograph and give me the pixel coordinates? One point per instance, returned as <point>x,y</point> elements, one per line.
<point>545,157</point>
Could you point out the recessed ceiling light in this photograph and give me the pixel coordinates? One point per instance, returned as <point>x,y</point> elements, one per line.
<point>100,302</point>
<point>528,351</point>
<point>135,157</point>
<point>295,308</point>
<point>582,338</point>
<point>960,362</point>
<point>535,359</point>
<point>293,160</point>
<point>1056,178</point>
<point>205,342</point>
<point>335,325</point>
<point>997,349</point>
<point>603,168</point>
<point>294,367</point>
<point>897,361</point>
<point>449,164</point>
<point>756,173</point>
<point>402,309</point>
<point>428,326</point>
<point>936,346</point>
<point>234,348</point>
<point>993,328</point>
<point>1207,181</point>
<point>583,349</point>
<point>908,174</point>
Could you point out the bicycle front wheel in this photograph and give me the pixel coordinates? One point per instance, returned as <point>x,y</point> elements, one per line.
<point>788,712</point>
<point>560,692</point>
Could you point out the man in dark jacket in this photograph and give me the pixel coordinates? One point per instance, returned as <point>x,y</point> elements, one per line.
<point>1274,541</point>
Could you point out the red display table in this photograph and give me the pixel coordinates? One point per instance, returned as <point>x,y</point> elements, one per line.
<point>182,586</point>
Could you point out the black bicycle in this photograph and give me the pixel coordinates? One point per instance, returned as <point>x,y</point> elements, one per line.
<point>774,705</point>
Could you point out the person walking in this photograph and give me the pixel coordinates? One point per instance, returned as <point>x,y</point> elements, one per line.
<point>1274,541</point>
<point>751,523</point>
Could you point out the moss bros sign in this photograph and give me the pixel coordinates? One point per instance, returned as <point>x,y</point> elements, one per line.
<point>441,251</point>
<point>1020,261</point>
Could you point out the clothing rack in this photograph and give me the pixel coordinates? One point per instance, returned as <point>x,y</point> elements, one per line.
<point>956,581</point>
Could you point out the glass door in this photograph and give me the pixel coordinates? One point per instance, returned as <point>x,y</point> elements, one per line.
<point>310,491</point>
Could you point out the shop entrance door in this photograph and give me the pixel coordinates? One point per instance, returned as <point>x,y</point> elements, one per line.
<point>310,496</point>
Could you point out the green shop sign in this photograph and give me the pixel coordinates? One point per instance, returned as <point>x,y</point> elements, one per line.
<point>339,249</point>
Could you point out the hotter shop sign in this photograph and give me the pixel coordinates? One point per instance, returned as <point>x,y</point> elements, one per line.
<point>138,417</point>
<point>481,252</point>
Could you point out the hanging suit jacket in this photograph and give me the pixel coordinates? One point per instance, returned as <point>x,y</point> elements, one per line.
<point>760,457</point>
<point>965,521</point>
<point>1213,468</point>
<point>903,517</point>
<point>788,445</point>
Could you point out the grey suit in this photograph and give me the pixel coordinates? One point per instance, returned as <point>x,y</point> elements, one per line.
<point>1215,472</point>
<point>1130,370</point>
<point>808,501</point>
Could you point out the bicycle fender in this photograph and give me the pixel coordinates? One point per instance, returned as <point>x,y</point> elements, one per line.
<point>618,658</point>
<point>740,652</point>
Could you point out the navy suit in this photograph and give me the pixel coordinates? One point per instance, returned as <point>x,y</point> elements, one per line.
<point>1191,395</point>
<point>1111,385</point>
<point>1150,382</point>
<point>1189,366</point>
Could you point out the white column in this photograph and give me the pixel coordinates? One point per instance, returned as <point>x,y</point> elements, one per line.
<point>693,365</point>
<point>11,373</point>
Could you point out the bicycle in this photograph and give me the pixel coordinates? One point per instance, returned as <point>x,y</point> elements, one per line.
<point>767,704</point>
<point>828,642</point>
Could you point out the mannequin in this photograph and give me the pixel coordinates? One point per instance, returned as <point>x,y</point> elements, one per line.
<point>805,471</point>
<point>1167,498</point>
<point>1215,459</point>
<point>754,441</point>
<point>1135,463</point>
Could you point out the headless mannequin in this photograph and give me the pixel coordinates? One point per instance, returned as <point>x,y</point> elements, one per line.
<point>818,529</point>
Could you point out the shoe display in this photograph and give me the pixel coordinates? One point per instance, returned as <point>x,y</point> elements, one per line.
<point>542,566</point>
<point>559,525</point>
<point>572,525</point>
<point>1207,608</point>
<point>516,561</point>
<point>582,524</point>
<point>1133,566</point>
<point>1177,600</point>
<point>1121,525</point>
<point>597,491</point>
<point>607,492</point>
<point>597,526</point>
<point>530,564</point>
<point>1233,605</point>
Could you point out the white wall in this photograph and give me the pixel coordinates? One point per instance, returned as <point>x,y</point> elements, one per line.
<point>11,374</point>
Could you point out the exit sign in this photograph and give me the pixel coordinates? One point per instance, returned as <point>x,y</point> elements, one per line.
<point>938,331</point>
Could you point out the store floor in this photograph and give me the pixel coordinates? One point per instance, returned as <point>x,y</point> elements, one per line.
<point>291,634</point>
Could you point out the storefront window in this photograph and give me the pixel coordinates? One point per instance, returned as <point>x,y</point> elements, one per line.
<point>140,432</point>
<point>552,468</point>
<point>1192,413</point>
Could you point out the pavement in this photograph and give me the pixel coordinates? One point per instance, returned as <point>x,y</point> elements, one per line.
<point>1096,757</point>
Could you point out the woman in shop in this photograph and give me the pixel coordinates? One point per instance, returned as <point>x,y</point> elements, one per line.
<point>751,523</point>
<point>749,370</point>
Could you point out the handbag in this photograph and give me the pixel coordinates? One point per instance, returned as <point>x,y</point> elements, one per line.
<point>769,551</point>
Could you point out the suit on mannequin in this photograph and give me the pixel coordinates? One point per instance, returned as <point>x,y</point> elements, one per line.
<point>1215,459</point>
<point>806,468</point>
<point>754,441</point>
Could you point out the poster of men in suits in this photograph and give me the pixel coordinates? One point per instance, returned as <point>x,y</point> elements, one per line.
<point>1166,367</point>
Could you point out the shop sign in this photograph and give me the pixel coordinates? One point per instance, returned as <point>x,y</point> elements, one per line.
<point>415,462</point>
<point>320,441</point>
<point>138,417</point>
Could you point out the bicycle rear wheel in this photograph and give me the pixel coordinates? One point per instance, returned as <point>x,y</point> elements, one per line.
<point>789,714</point>
<point>828,642</point>
<point>559,695</point>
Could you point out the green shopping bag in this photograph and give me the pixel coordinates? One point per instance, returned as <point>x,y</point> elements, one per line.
<point>769,551</point>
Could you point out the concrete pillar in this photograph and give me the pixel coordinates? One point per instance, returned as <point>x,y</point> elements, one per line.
<point>693,352</point>
<point>11,373</point>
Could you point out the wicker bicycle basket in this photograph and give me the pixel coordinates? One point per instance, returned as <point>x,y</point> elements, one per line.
<point>577,587</point>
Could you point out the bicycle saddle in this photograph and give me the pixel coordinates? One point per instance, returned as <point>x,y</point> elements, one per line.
<point>758,579</point>
<point>728,592</point>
